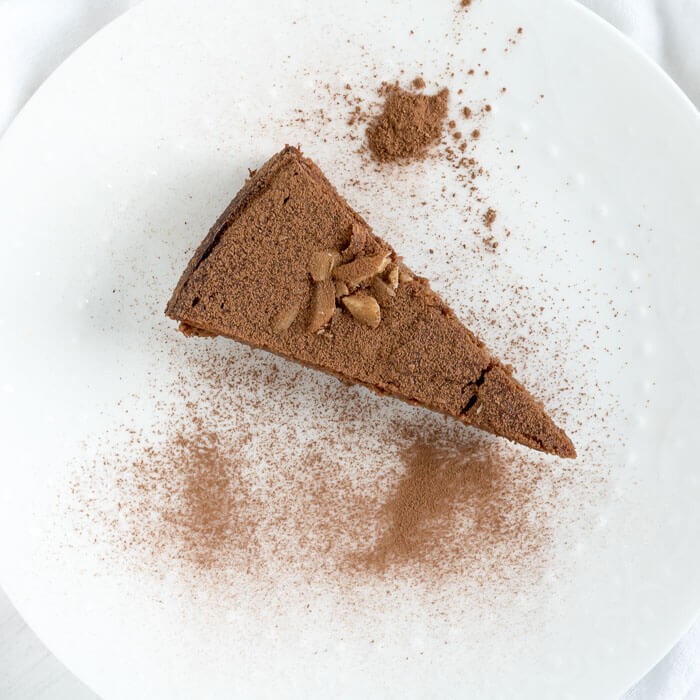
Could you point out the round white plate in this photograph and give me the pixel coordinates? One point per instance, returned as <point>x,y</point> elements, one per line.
<point>112,174</point>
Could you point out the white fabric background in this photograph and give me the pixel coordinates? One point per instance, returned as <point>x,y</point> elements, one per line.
<point>37,35</point>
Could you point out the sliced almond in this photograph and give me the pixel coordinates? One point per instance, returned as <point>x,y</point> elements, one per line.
<point>404,274</point>
<point>358,237</point>
<point>322,305</point>
<point>392,275</point>
<point>321,264</point>
<point>361,269</point>
<point>382,291</point>
<point>364,309</point>
<point>285,318</point>
<point>341,289</point>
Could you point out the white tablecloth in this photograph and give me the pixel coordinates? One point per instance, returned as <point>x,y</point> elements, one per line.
<point>37,35</point>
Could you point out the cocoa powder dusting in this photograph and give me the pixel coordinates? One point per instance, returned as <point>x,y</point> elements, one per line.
<point>205,514</point>
<point>408,125</point>
<point>457,502</point>
<point>224,485</point>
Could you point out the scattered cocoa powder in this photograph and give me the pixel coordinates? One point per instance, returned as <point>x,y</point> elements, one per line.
<point>214,490</point>
<point>408,125</point>
<point>418,83</point>
<point>490,242</point>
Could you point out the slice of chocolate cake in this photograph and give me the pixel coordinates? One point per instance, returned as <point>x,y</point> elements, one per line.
<point>290,268</point>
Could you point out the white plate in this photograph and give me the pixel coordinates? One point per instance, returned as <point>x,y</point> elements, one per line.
<point>111,175</point>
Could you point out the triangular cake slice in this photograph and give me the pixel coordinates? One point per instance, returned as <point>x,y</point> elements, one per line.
<point>290,268</point>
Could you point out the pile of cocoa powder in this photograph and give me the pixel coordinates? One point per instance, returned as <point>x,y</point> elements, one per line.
<point>408,125</point>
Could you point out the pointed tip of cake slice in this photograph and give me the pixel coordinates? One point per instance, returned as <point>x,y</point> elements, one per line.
<point>504,407</point>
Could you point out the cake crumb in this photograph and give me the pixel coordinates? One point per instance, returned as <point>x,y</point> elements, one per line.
<point>489,217</point>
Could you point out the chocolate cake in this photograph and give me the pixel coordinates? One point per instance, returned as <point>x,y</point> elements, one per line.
<point>290,268</point>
